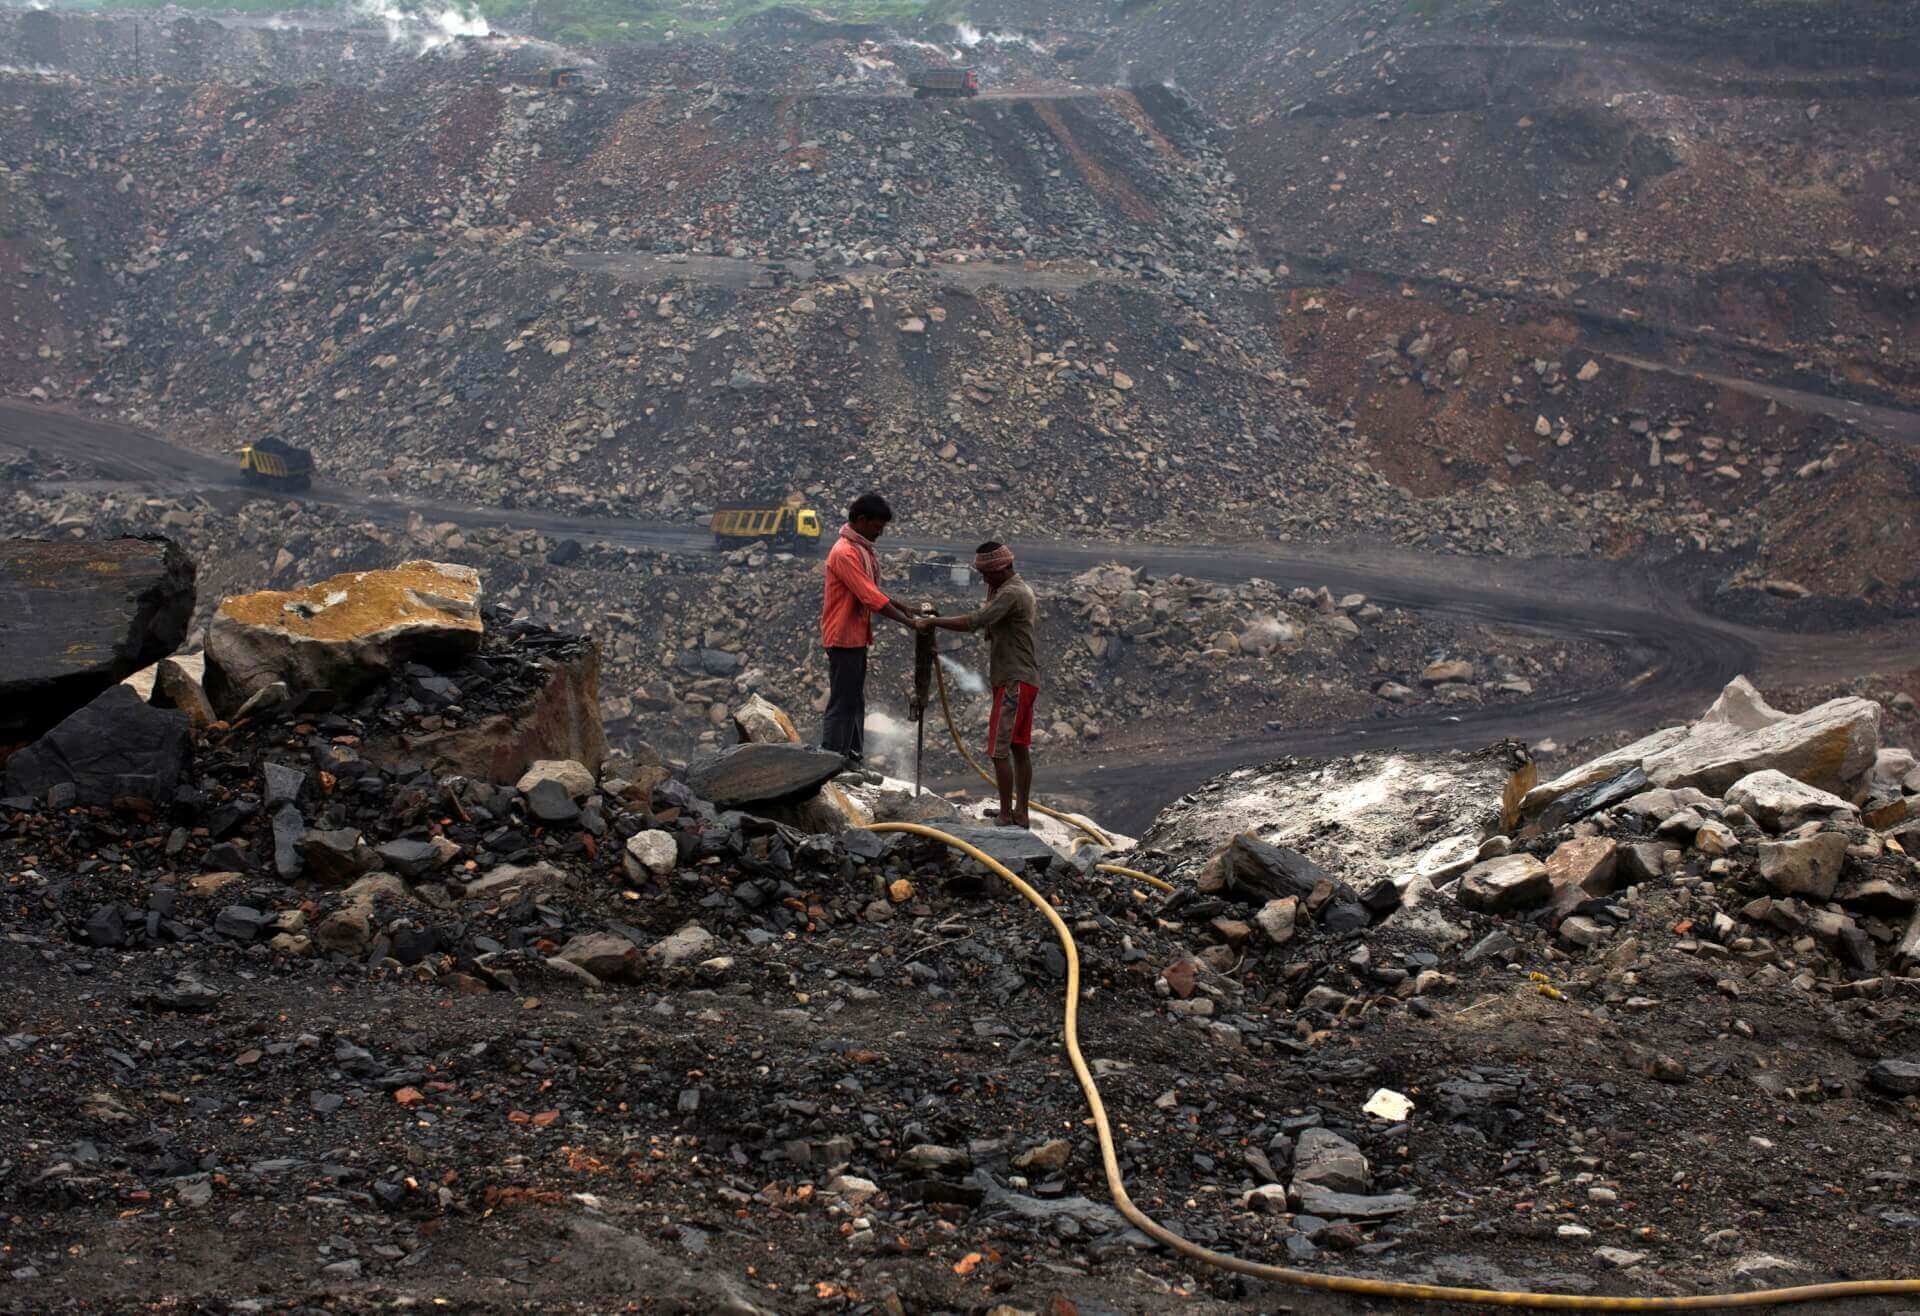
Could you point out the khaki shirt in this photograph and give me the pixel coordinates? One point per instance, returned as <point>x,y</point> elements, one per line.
<point>1008,619</point>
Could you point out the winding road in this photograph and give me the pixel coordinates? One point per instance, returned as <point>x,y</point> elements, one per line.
<point>1681,655</point>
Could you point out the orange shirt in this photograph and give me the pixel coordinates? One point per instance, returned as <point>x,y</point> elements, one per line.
<point>846,611</point>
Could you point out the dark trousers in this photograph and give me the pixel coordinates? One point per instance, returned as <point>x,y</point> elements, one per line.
<point>846,701</point>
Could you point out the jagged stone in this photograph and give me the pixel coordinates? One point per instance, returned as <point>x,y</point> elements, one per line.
<point>1809,866</point>
<point>1831,747</point>
<point>651,852</point>
<point>1331,1205</point>
<point>180,682</point>
<point>574,778</point>
<point>78,616</point>
<point>1016,847</point>
<point>1277,918</point>
<point>510,880</point>
<point>1896,1078</point>
<point>335,855</point>
<point>1779,803</point>
<point>605,955</point>
<point>344,634</point>
<point>411,859</point>
<point>549,802</point>
<point>1324,1159</point>
<point>1590,799</point>
<point>692,942</point>
<point>1510,882</point>
<point>115,747</point>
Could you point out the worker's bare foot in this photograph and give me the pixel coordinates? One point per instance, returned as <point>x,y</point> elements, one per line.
<point>1006,820</point>
<point>1023,820</point>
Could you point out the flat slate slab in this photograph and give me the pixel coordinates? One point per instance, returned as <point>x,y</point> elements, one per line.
<point>747,775</point>
<point>1016,847</point>
<point>77,616</point>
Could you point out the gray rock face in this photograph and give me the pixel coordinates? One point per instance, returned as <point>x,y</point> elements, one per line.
<point>1324,1159</point>
<point>1254,868</point>
<point>747,775</point>
<point>113,748</point>
<point>410,859</point>
<point>603,954</point>
<point>549,802</point>
<point>1809,866</point>
<point>1514,881</point>
<point>1331,1205</point>
<point>79,616</point>
<point>509,881</point>
<point>335,856</point>
<point>1832,747</point>
<point>1779,803</point>
<point>692,942</point>
<point>1896,1078</point>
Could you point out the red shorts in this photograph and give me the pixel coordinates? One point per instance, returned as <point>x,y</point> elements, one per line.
<point>1012,718</point>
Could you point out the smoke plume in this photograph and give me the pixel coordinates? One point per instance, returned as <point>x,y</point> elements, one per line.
<point>424,30</point>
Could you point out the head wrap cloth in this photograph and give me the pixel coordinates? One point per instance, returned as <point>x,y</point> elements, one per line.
<point>1000,559</point>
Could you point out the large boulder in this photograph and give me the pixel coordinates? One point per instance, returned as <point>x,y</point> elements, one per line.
<point>1831,747</point>
<point>761,722</point>
<point>79,616</point>
<point>116,747</point>
<point>744,776</point>
<point>345,634</point>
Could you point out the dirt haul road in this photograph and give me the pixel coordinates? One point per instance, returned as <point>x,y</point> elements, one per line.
<point>1681,655</point>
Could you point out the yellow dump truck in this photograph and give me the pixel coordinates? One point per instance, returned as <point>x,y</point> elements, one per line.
<point>278,464</point>
<point>787,524</point>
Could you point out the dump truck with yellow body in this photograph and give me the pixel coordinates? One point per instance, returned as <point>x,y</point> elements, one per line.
<point>787,524</point>
<point>271,462</point>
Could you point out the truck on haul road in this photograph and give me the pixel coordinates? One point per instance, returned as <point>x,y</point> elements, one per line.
<point>944,82</point>
<point>788,525</point>
<point>281,465</point>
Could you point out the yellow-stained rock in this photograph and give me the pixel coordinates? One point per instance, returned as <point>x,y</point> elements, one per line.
<point>343,634</point>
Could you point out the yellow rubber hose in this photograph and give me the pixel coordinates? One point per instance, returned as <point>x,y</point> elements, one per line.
<point>1093,833</point>
<point>1136,875</point>
<point>1308,1279</point>
<point>946,706</point>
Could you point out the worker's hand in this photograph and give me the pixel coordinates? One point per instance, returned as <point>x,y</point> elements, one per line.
<point>923,623</point>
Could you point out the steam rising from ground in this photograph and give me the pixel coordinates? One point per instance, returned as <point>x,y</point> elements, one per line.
<point>890,739</point>
<point>425,30</point>
<point>971,36</point>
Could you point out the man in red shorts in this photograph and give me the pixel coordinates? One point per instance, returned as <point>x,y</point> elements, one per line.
<point>1008,619</point>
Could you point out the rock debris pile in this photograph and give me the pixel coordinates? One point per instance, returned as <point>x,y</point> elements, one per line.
<point>511,1001</point>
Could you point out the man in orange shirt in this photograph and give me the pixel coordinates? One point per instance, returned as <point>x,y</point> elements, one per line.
<point>853,595</point>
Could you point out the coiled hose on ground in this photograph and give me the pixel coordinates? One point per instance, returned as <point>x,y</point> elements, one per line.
<point>1307,1279</point>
